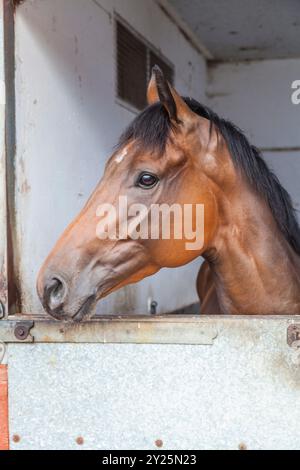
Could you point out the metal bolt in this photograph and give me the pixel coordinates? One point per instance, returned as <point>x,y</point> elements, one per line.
<point>22,331</point>
<point>2,310</point>
<point>153,307</point>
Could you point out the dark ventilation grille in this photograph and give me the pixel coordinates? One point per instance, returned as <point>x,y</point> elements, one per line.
<point>135,59</point>
<point>132,67</point>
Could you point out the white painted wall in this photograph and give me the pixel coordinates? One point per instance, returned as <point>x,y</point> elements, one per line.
<point>256,96</point>
<point>68,121</point>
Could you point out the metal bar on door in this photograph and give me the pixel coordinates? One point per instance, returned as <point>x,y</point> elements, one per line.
<point>3,200</point>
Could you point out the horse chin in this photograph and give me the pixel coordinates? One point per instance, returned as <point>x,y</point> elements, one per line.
<point>86,310</point>
<point>88,307</point>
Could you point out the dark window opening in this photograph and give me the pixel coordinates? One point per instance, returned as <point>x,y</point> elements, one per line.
<point>135,59</point>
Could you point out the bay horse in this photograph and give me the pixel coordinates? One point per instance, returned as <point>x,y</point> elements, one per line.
<point>179,151</point>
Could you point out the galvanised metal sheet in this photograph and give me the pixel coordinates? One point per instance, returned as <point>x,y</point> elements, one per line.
<point>241,391</point>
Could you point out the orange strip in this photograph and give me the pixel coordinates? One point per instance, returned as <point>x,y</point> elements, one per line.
<point>4,440</point>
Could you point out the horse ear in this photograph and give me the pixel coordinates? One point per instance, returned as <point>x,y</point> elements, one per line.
<point>152,93</point>
<point>160,90</point>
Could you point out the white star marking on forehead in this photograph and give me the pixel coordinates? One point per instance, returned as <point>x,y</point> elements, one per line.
<point>120,157</point>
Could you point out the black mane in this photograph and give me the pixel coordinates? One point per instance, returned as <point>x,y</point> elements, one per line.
<point>152,128</point>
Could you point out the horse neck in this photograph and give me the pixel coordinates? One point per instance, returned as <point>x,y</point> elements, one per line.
<point>255,269</point>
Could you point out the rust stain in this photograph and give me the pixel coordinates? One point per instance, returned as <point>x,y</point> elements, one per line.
<point>159,443</point>
<point>47,339</point>
<point>16,438</point>
<point>25,188</point>
<point>80,441</point>
<point>242,446</point>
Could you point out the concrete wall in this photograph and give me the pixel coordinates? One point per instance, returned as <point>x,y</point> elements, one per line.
<point>256,96</point>
<point>68,120</point>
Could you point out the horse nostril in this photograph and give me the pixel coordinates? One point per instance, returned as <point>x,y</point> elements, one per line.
<point>55,293</point>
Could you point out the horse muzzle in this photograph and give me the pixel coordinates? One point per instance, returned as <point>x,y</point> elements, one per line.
<point>55,296</point>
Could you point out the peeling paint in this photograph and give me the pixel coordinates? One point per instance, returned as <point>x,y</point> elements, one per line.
<point>25,188</point>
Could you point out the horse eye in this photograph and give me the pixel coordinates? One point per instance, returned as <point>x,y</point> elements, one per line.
<point>147,180</point>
